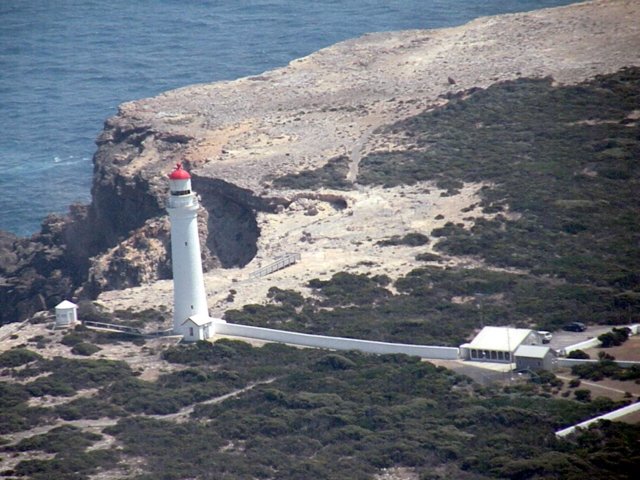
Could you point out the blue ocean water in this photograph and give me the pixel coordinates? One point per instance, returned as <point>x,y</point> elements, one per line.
<point>66,65</point>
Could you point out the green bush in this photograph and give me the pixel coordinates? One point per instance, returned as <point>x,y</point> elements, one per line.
<point>17,357</point>
<point>91,311</point>
<point>428,257</point>
<point>336,362</point>
<point>578,354</point>
<point>57,440</point>
<point>331,175</point>
<point>74,466</point>
<point>12,395</point>
<point>85,349</point>
<point>16,416</point>
<point>73,338</point>
<point>413,239</point>
<point>582,395</point>
<point>617,336</point>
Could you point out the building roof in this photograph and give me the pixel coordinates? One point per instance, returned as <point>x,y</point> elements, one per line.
<point>199,319</point>
<point>532,351</point>
<point>503,339</point>
<point>65,304</point>
<point>179,173</point>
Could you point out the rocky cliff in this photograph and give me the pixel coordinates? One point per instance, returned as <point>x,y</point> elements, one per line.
<point>276,157</point>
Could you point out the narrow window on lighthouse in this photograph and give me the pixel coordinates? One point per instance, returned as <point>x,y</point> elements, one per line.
<point>185,244</point>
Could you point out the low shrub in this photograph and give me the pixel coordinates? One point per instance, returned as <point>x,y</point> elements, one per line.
<point>578,354</point>
<point>85,349</point>
<point>617,336</point>
<point>413,239</point>
<point>582,395</point>
<point>73,338</point>
<point>17,357</point>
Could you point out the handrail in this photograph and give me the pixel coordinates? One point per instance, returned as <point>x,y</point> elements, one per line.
<point>127,329</point>
<point>284,261</point>
<point>113,326</point>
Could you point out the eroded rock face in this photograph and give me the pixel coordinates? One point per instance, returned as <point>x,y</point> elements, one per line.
<point>238,138</point>
<point>37,273</point>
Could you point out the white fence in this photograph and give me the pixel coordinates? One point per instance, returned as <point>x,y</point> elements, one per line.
<point>335,343</point>
<point>570,362</point>
<point>621,412</point>
<point>592,342</point>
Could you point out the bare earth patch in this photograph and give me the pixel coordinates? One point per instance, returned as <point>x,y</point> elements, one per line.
<point>629,350</point>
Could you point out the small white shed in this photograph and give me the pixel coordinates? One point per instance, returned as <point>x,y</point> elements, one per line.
<point>66,314</point>
<point>535,357</point>
<point>197,327</point>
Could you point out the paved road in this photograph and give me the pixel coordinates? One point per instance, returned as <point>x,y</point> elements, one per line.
<point>563,339</point>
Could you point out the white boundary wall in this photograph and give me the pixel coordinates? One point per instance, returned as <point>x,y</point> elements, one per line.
<point>621,412</point>
<point>334,343</point>
<point>592,342</point>
<point>570,362</point>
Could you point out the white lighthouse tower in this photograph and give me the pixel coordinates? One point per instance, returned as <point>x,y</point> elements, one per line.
<point>189,297</point>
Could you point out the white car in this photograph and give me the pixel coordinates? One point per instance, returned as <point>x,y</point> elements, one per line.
<point>545,336</point>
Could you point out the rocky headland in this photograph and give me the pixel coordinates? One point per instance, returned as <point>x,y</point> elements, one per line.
<point>252,144</point>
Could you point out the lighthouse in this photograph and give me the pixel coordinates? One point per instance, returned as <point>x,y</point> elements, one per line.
<point>189,297</point>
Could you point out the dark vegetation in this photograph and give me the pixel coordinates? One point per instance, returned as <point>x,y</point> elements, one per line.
<point>578,354</point>
<point>413,239</point>
<point>17,357</point>
<point>85,349</point>
<point>606,368</point>
<point>331,175</point>
<point>91,311</point>
<point>82,334</point>
<point>617,336</point>
<point>428,257</point>
<point>424,309</point>
<point>71,460</point>
<point>565,158</point>
<point>309,414</point>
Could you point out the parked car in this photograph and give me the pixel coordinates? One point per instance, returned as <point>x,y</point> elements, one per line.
<point>545,336</point>
<point>575,327</point>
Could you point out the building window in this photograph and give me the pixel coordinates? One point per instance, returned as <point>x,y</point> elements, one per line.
<point>474,353</point>
<point>191,331</point>
<point>500,355</point>
<point>494,355</point>
<point>507,356</point>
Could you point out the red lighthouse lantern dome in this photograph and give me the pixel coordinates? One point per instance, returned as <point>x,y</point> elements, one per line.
<point>179,173</point>
<point>180,181</point>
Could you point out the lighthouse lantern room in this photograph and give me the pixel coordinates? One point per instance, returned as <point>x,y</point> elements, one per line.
<point>189,297</point>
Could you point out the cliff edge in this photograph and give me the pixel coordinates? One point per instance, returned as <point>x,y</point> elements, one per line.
<point>276,157</point>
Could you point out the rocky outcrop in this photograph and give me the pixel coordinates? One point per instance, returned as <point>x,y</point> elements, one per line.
<point>239,138</point>
<point>37,273</point>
